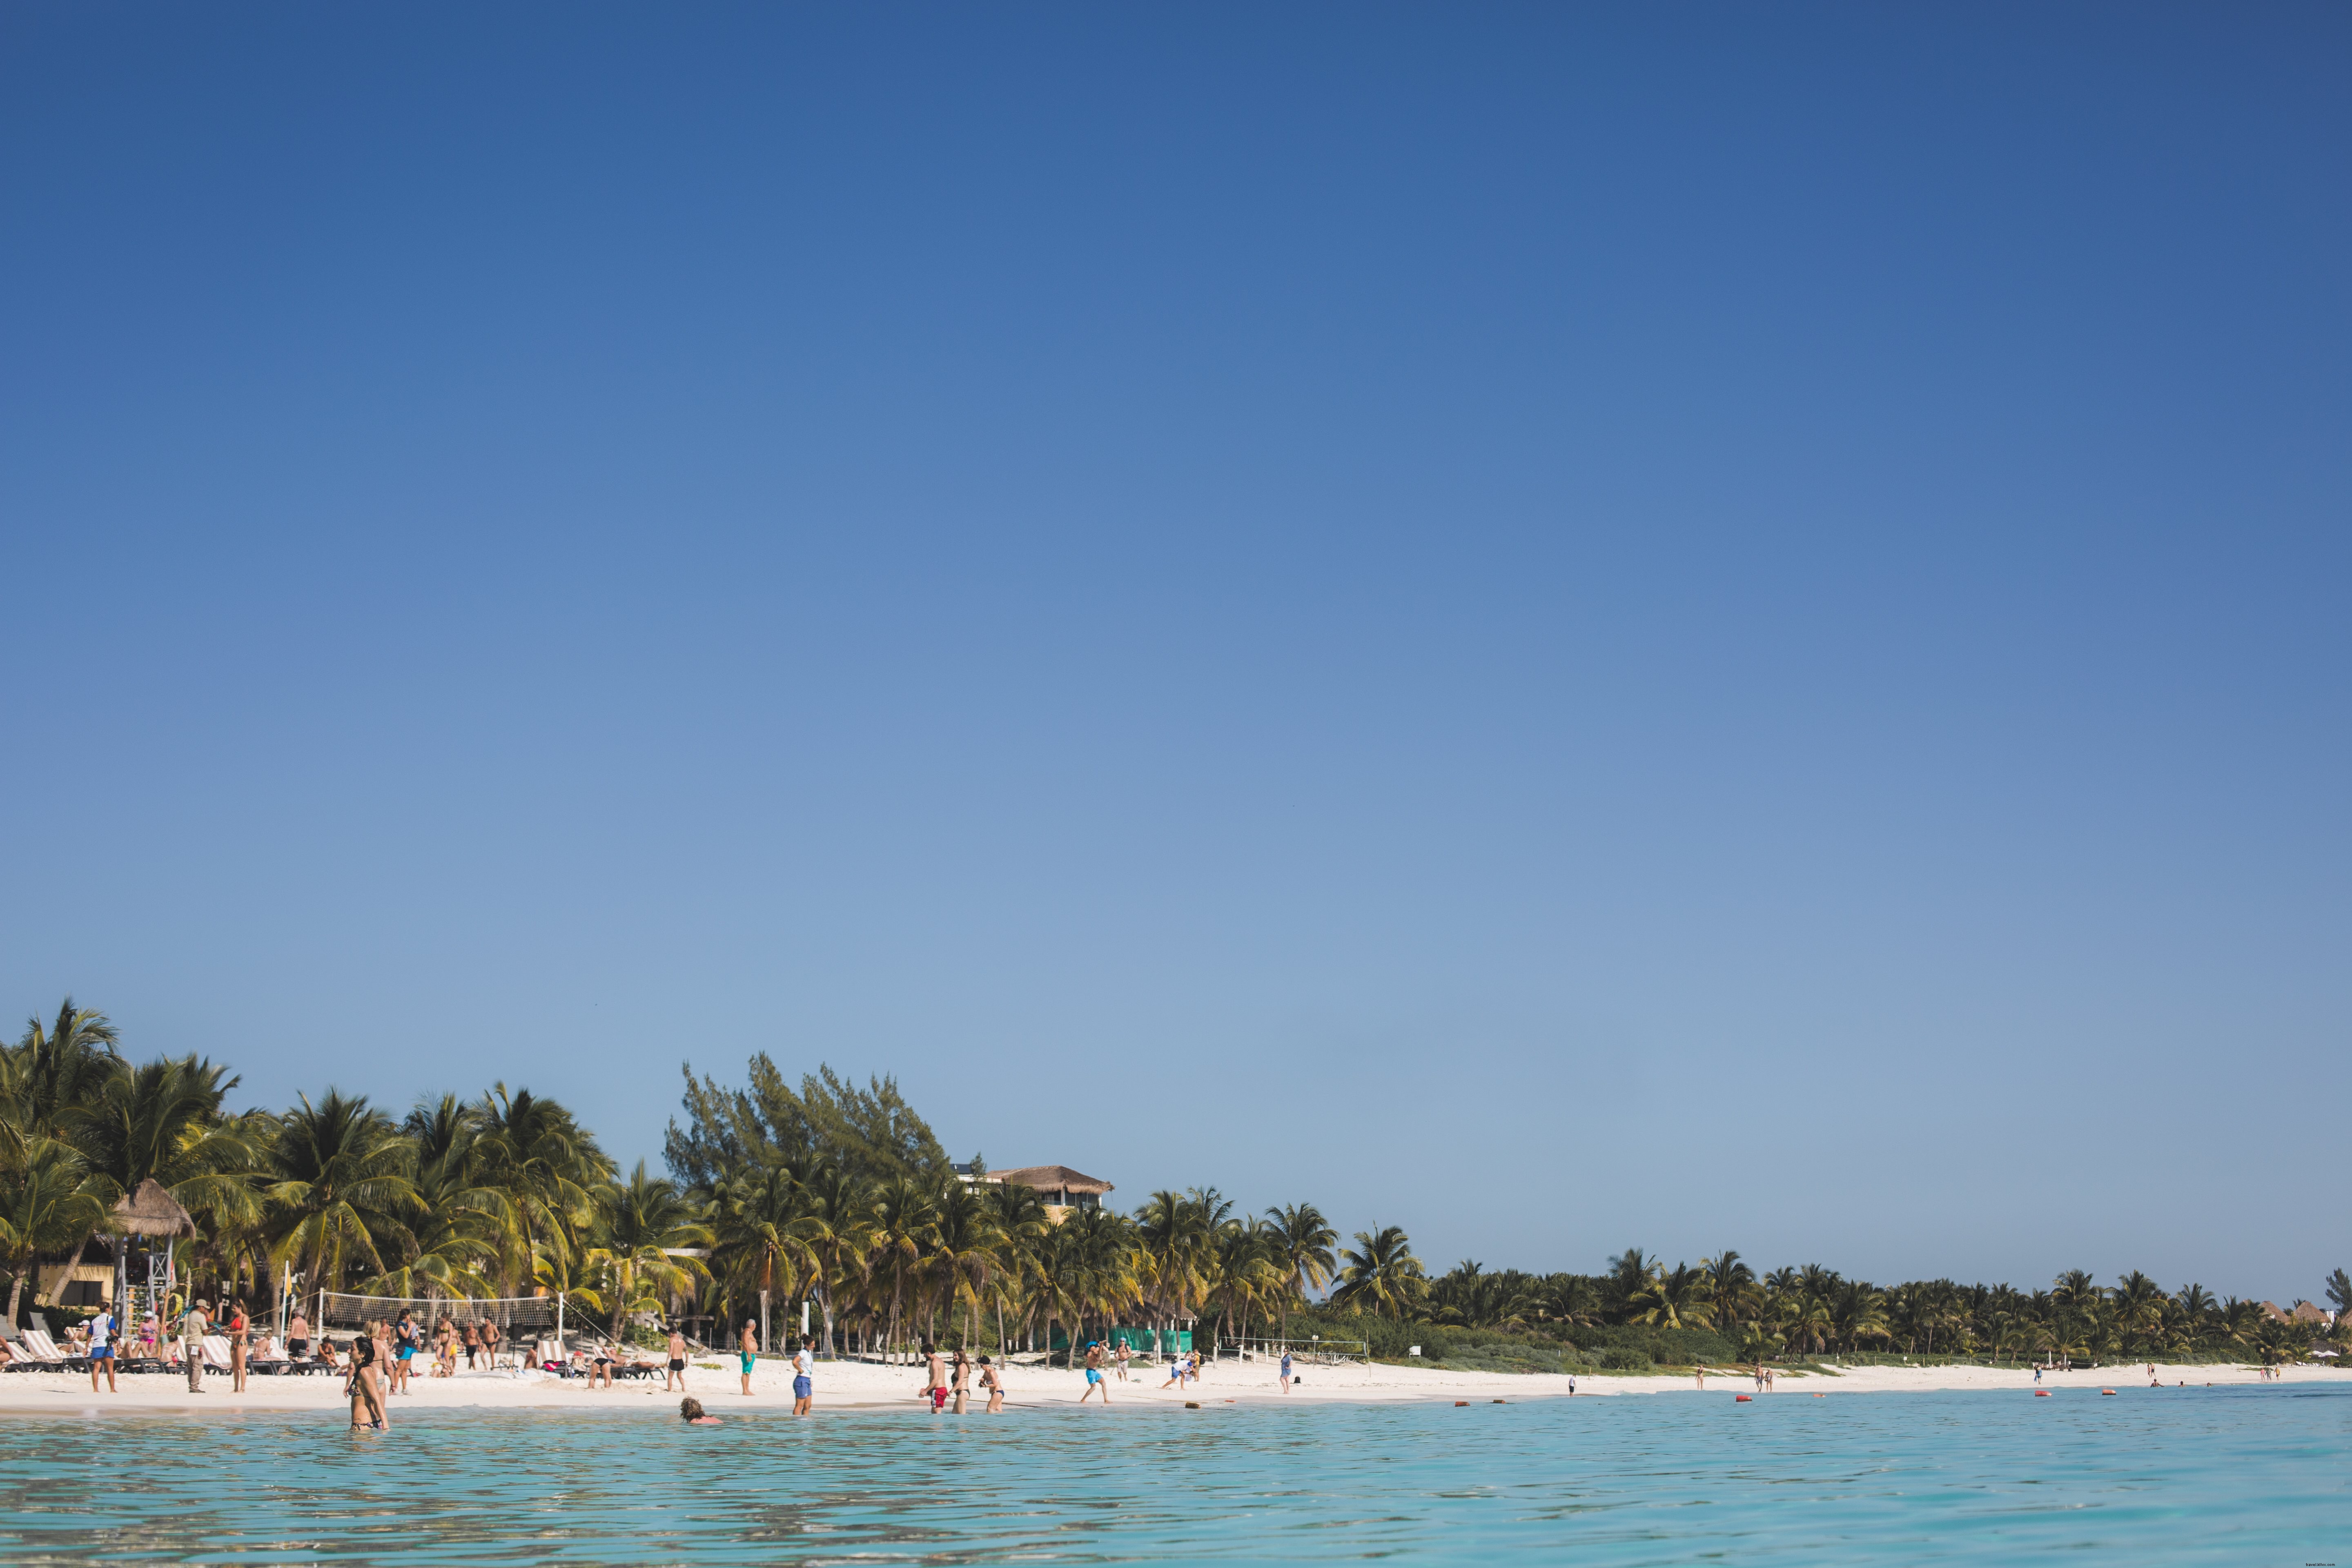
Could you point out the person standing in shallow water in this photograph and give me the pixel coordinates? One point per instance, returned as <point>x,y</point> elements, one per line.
<point>365,1386</point>
<point>804,1377</point>
<point>993,1385</point>
<point>935,1377</point>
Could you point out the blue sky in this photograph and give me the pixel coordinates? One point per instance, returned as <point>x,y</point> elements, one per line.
<point>1706,626</point>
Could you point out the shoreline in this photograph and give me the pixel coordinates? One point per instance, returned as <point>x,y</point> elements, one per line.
<point>860,1387</point>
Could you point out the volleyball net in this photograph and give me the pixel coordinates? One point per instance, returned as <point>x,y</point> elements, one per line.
<point>514,1315</point>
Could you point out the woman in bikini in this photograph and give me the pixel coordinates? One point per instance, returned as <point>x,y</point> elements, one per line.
<point>993,1384</point>
<point>367,1393</point>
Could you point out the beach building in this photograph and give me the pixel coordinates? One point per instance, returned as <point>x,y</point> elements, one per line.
<point>1063,1189</point>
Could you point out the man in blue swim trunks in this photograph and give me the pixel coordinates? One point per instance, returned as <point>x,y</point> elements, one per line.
<point>403,1346</point>
<point>1094,1383</point>
<point>750,1343</point>
<point>101,1349</point>
<point>804,1371</point>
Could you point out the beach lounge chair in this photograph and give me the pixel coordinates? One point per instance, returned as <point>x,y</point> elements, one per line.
<point>35,1352</point>
<point>216,1352</point>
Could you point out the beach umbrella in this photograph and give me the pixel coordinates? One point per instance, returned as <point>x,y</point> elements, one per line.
<point>151,1210</point>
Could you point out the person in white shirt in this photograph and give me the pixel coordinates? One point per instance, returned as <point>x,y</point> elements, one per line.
<point>803,1377</point>
<point>101,1349</point>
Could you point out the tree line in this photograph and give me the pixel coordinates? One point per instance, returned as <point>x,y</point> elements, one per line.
<point>839,1194</point>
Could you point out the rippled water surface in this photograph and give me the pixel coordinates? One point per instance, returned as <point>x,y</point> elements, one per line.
<point>2245,1476</point>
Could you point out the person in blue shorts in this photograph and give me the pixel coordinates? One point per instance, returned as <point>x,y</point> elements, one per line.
<point>1094,1383</point>
<point>101,1349</point>
<point>403,1346</point>
<point>751,1350</point>
<point>803,1372</point>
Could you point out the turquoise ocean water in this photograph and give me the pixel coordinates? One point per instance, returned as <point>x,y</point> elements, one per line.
<point>2253,1475</point>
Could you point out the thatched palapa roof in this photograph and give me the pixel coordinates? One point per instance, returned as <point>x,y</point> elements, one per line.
<point>151,1210</point>
<point>1051,1179</point>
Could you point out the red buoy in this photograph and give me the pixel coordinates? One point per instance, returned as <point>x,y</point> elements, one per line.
<point>1741,1398</point>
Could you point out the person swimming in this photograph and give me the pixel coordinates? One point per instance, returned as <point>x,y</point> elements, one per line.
<point>691,1411</point>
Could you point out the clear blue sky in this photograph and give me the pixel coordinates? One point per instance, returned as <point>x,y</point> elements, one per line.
<point>1706,626</point>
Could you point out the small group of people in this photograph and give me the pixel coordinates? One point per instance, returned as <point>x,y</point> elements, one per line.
<point>946,1379</point>
<point>803,1365</point>
<point>1185,1370</point>
<point>1763,1375</point>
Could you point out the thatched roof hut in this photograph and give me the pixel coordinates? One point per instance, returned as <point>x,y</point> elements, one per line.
<point>151,1210</point>
<point>1060,1187</point>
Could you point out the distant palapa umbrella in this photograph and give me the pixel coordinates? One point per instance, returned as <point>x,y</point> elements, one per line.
<point>151,1210</point>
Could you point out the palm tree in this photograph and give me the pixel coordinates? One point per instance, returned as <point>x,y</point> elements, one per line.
<point>1732,1287</point>
<point>1303,1240</point>
<point>1670,1298</point>
<point>838,1226</point>
<point>1176,1233</point>
<point>644,1224</point>
<point>1571,1299</point>
<point>1019,1216</point>
<point>761,1240</point>
<point>2139,1306</point>
<point>2339,1291</point>
<point>1380,1273</point>
<point>54,1068</point>
<point>544,1166</point>
<point>904,1218</point>
<point>163,1121</point>
<point>1250,1268</point>
<point>340,1187</point>
<point>1628,1275</point>
<point>1856,1312</point>
<point>966,1252</point>
<point>46,1205</point>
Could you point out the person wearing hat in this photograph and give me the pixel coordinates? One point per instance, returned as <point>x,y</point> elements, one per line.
<point>193,1326</point>
<point>1094,1383</point>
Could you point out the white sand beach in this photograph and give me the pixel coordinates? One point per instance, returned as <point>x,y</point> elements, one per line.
<point>845,1386</point>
